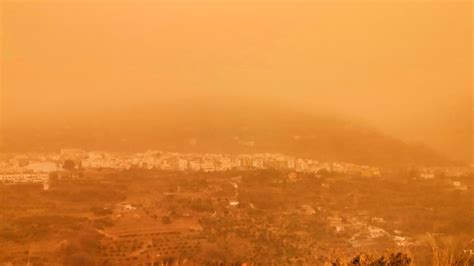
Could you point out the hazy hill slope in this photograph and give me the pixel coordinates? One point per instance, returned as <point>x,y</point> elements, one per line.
<point>226,129</point>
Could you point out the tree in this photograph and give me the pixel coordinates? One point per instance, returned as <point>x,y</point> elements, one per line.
<point>79,259</point>
<point>69,165</point>
<point>166,219</point>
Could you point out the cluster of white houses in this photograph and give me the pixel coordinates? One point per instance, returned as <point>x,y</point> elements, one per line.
<point>216,162</point>
<point>23,177</point>
<point>30,168</point>
<point>25,173</point>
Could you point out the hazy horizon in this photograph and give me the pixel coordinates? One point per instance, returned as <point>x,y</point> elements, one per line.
<point>405,68</point>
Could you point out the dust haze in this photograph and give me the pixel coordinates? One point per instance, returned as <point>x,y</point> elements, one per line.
<point>403,67</point>
<point>236,132</point>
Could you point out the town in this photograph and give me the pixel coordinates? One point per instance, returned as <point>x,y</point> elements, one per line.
<point>82,208</point>
<point>35,167</point>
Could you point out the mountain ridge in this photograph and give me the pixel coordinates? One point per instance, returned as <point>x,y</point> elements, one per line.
<point>226,129</point>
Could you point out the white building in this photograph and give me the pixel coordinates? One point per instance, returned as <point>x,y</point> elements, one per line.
<point>182,164</point>
<point>208,166</point>
<point>195,165</point>
<point>257,163</point>
<point>43,167</point>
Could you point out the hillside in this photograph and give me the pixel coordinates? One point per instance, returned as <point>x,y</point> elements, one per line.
<point>223,129</point>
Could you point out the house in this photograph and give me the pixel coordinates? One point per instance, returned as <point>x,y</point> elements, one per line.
<point>458,185</point>
<point>376,232</point>
<point>208,166</point>
<point>182,164</point>
<point>291,163</point>
<point>336,223</point>
<point>233,203</point>
<point>301,165</point>
<point>377,220</point>
<point>195,165</point>
<point>43,167</point>
<point>125,207</point>
<point>308,210</point>
<point>427,175</point>
<point>257,163</point>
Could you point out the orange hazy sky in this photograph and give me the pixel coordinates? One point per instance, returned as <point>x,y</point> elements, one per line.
<point>404,66</point>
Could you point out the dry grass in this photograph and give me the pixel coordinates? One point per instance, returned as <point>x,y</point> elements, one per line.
<point>447,251</point>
